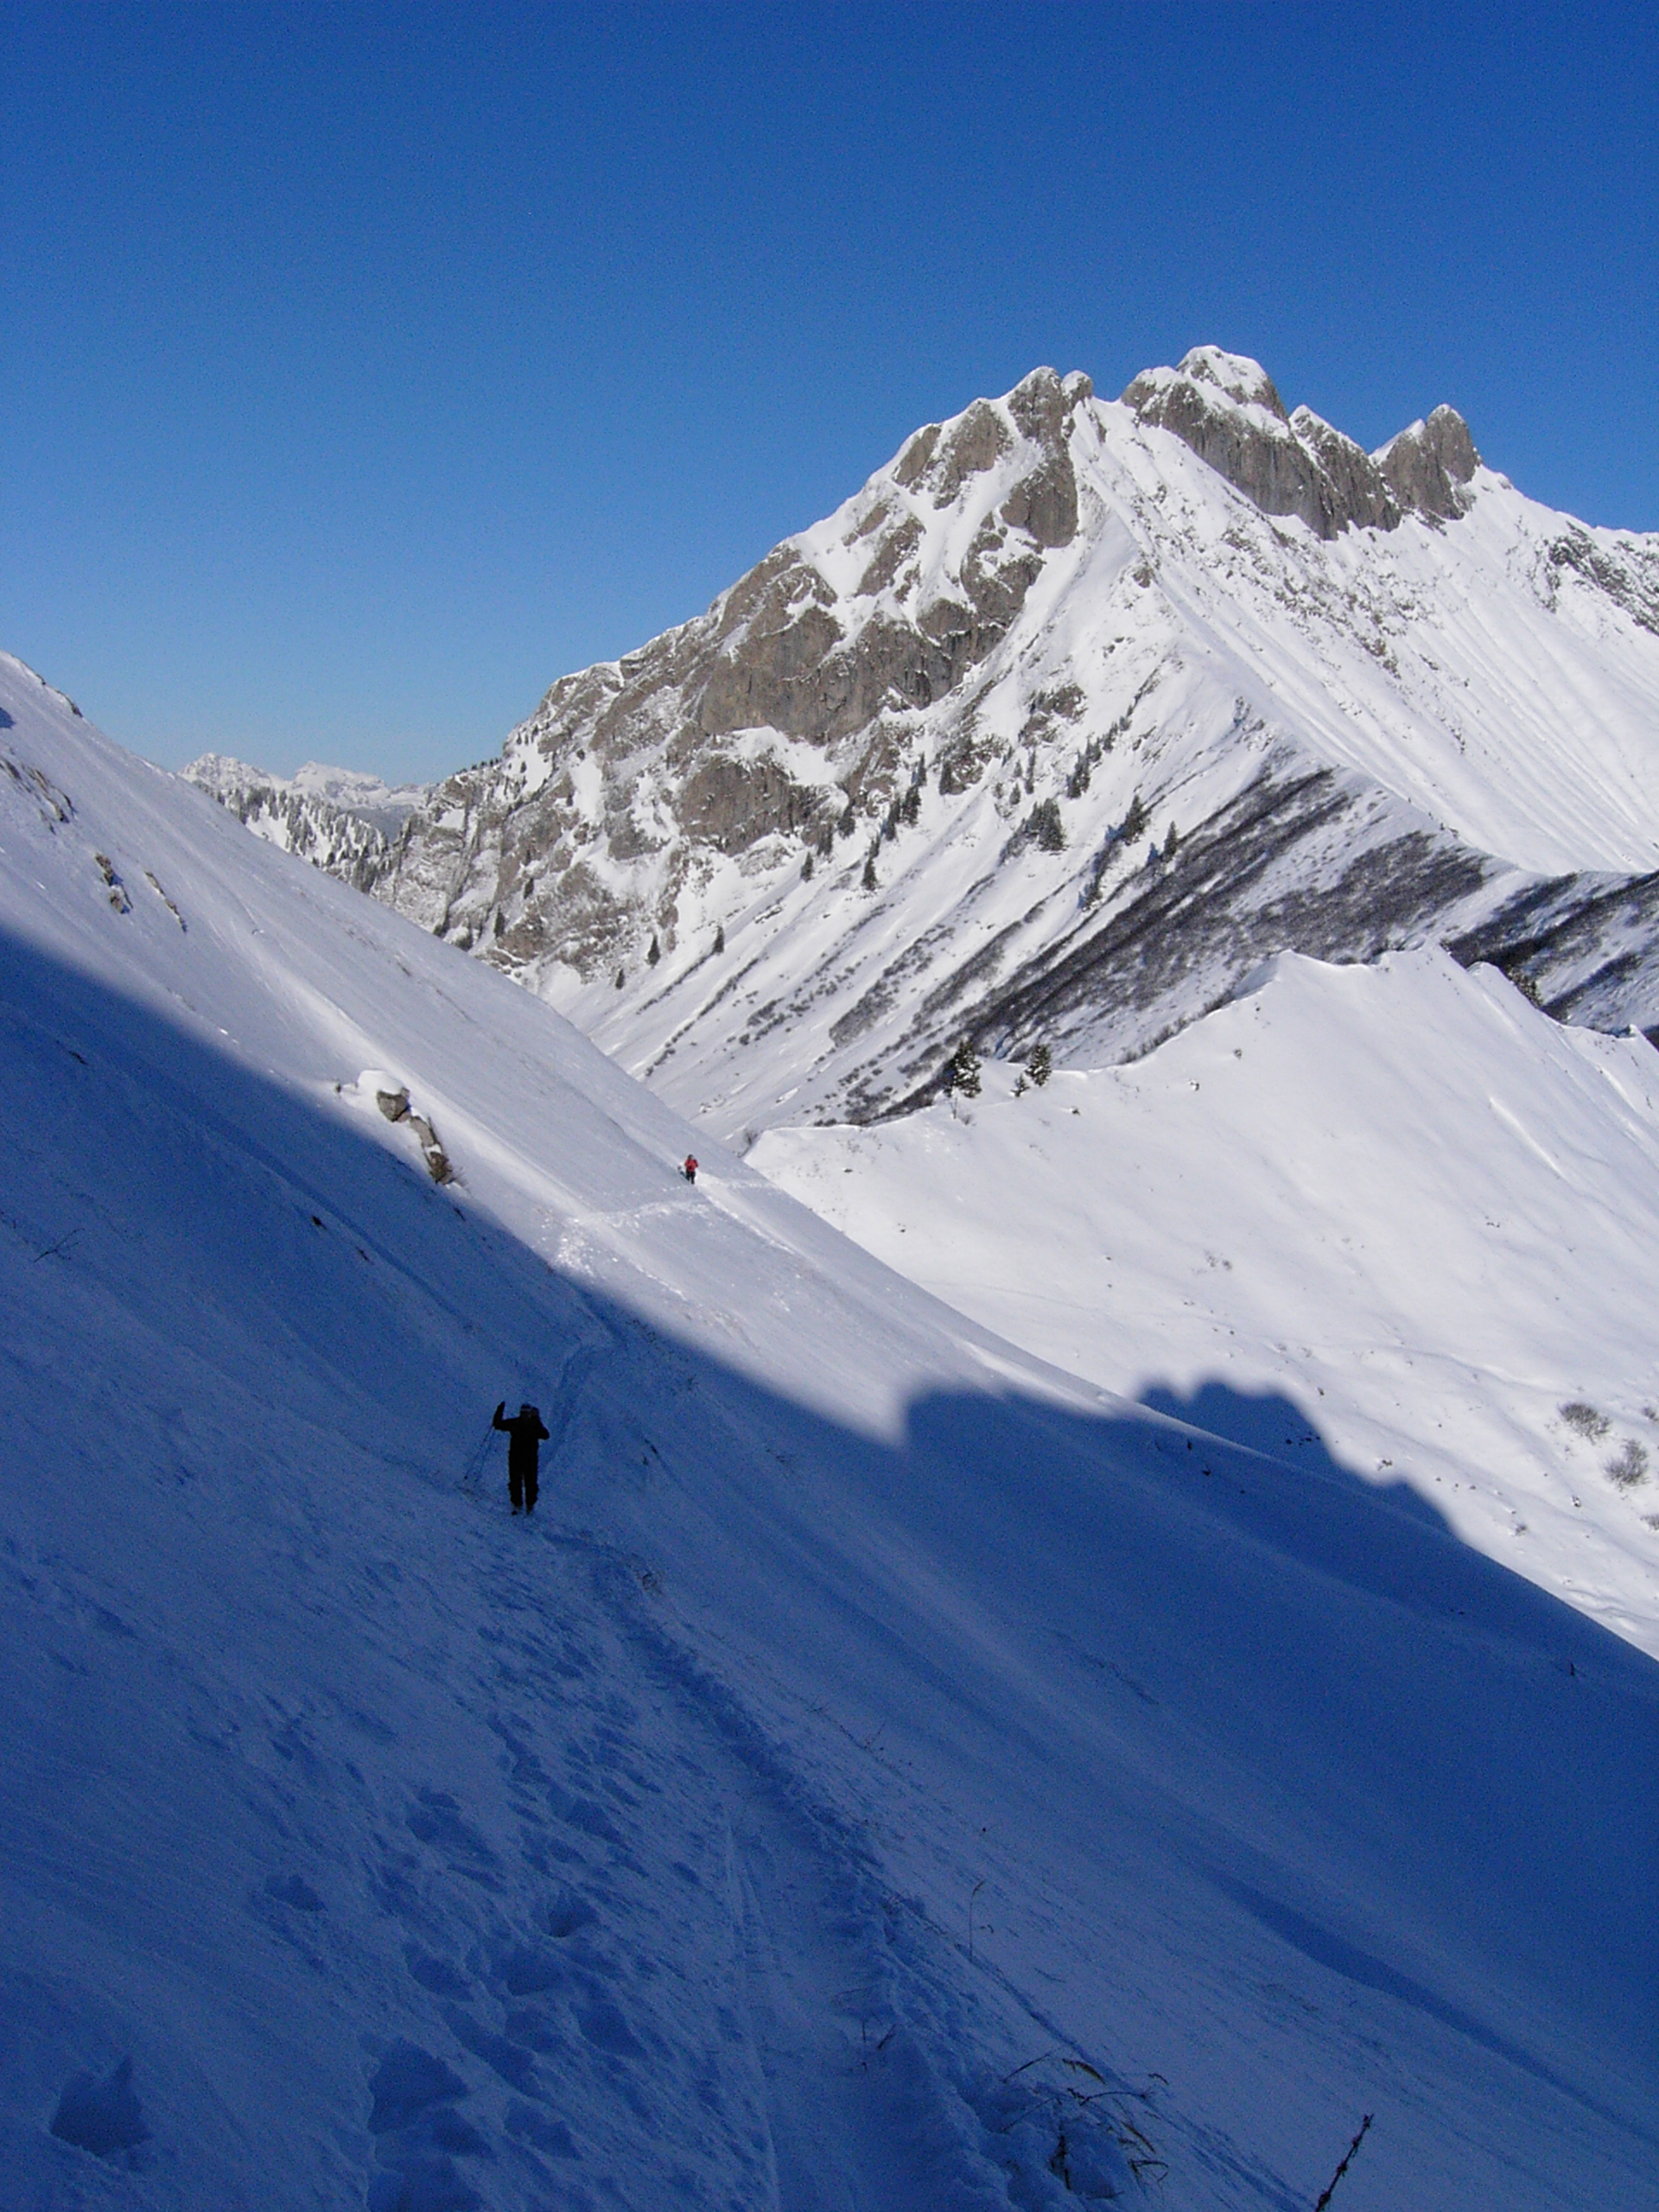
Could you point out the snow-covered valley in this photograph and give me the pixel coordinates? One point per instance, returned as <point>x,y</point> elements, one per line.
<point>890,1770</point>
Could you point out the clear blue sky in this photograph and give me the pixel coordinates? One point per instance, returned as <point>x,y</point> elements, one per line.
<point>366,367</point>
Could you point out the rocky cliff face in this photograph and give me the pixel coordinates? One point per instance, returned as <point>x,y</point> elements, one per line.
<point>1068,718</point>
<point>760,726</point>
<point>1227,409</point>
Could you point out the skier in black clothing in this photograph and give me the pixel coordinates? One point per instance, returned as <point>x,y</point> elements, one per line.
<point>523,1452</point>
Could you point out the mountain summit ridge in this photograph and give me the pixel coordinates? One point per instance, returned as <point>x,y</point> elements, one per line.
<point>892,786</point>
<point>1228,410</point>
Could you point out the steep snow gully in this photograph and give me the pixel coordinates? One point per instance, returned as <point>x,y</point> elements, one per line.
<point>888,1772</point>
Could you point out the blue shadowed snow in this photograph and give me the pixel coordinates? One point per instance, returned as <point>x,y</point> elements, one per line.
<point>645,1837</point>
<point>102,2117</point>
<point>887,1772</point>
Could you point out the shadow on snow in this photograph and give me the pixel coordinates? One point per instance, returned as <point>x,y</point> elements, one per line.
<point>1208,1658</point>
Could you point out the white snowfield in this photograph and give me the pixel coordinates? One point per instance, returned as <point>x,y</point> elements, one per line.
<point>887,1773</point>
<point>1393,1212</point>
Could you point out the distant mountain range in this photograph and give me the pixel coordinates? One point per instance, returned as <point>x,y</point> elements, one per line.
<point>1076,713</point>
<point>338,818</point>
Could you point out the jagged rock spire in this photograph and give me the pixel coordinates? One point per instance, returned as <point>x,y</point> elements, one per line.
<point>1227,409</point>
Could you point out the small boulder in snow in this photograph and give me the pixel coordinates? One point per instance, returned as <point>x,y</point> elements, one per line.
<point>392,1098</point>
<point>102,2117</point>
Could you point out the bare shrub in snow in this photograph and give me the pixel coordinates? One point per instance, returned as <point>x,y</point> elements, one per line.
<point>1629,1467</point>
<point>1586,1420</point>
<point>1527,986</point>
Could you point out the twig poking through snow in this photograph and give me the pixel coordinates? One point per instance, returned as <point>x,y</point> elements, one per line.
<point>1347,2160</point>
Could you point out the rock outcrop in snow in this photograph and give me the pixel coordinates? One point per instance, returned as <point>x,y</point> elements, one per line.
<point>1229,411</point>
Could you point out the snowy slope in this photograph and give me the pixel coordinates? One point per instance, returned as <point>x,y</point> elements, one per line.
<point>1397,1204</point>
<point>780,859</point>
<point>888,1773</point>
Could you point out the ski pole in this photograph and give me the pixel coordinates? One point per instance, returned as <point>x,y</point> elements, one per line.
<point>475,1464</point>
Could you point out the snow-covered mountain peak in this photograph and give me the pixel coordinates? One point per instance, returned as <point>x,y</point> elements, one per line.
<point>224,775</point>
<point>1231,379</point>
<point>386,805</point>
<point>1067,717</point>
<point>340,819</point>
<point>350,791</point>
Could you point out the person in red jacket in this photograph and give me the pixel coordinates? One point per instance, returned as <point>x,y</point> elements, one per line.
<point>689,1170</point>
<point>523,1452</point>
